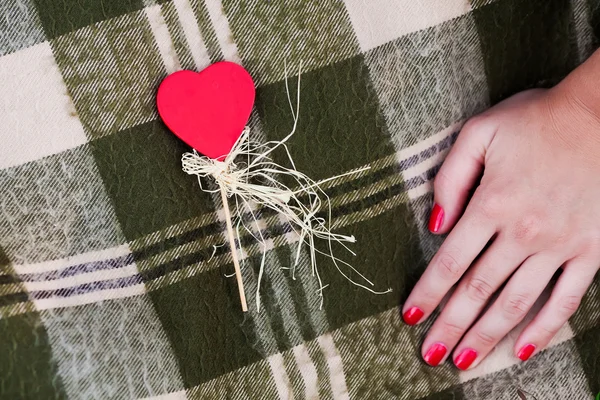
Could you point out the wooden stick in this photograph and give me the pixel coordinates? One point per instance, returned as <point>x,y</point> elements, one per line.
<point>236,263</point>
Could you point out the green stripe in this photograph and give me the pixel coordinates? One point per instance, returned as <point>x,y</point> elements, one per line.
<point>589,351</point>
<point>61,17</point>
<point>296,381</point>
<point>182,48</point>
<point>10,289</point>
<point>200,259</point>
<point>209,334</point>
<point>189,260</point>
<point>252,382</point>
<point>381,359</point>
<point>26,365</point>
<point>16,309</point>
<point>453,393</point>
<point>206,29</point>
<point>13,295</point>
<point>203,232</point>
<point>299,296</point>
<point>315,352</point>
<point>271,300</point>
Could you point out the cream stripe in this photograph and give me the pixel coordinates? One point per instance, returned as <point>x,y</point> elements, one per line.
<point>192,33</point>
<point>194,246</point>
<point>427,143</point>
<point>222,30</point>
<point>280,377</point>
<point>421,190</point>
<point>302,358</point>
<point>55,265</point>
<point>369,213</point>
<point>308,371</point>
<point>425,166</point>
<point>181,395</point>
<point>162,38</point>
<point>92,297</point>
<point>80,279</point>
<point>335,366</point>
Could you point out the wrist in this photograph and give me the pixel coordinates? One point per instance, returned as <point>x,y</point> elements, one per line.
<point>579,92</point>
<point>574,108</point>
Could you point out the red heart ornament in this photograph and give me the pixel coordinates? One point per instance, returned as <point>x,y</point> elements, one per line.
<point>208,109</point>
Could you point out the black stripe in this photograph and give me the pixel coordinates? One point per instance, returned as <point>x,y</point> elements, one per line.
<point>279,229</point>
<point>429,152</point>
<point>201,256</point>
<point>179,240</point>
<point>113,263</point>
<point>8,279</point>
<point>13,298</point>
<point>84,288</point>
<point>421,179</point>
<point>334,191</point>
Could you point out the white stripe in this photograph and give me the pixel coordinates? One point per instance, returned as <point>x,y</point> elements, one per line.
<point>427,143</point>
<point>308,371</point>
<point>381,21</point>
<point>424,166</point>
<point>80,279</point>
<point>419,191</point>
<point>181,395</point>
<point>162,38</point>
<point>282,381</point>
<point>55,265</point>
<point>92,297</point>
<point>335,366</point>
<point>192,33</point>
<point>222,30</point>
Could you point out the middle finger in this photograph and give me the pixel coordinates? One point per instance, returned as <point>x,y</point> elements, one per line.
<point>472,294</point>
<point>511,306</point>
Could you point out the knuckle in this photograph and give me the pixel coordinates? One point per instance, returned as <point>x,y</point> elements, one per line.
<point>528,228</point>
<point>516,305</point>
<point>486,339</point>
<point>490,204</point>
<point>474,124</point>
<point>563,239</point>
<point>569,304</point>
<point>591,246</point>
<point>448,266</point>
<point>595,240</point>
<point>478,289</point>
<point>452,330</point>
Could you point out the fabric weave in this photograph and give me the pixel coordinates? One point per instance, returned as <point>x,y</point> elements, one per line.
<point>110,282</point>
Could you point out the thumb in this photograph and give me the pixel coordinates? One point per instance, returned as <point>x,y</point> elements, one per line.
<point>459,173</point>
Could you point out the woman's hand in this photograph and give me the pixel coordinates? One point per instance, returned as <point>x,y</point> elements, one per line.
<point>537,205</point>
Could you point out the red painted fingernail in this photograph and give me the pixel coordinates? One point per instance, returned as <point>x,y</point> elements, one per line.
<point>413,315</point>
<point>526,352</point>
<point>436,219</point>
<point>435,354</point>
<point>465,359</point>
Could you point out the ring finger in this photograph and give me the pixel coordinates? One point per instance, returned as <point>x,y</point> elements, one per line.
<point>514,302</point>
<point>469,299</point>
<point>571,286</point>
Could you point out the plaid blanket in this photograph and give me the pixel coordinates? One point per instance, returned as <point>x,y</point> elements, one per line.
<point>110,282</point>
